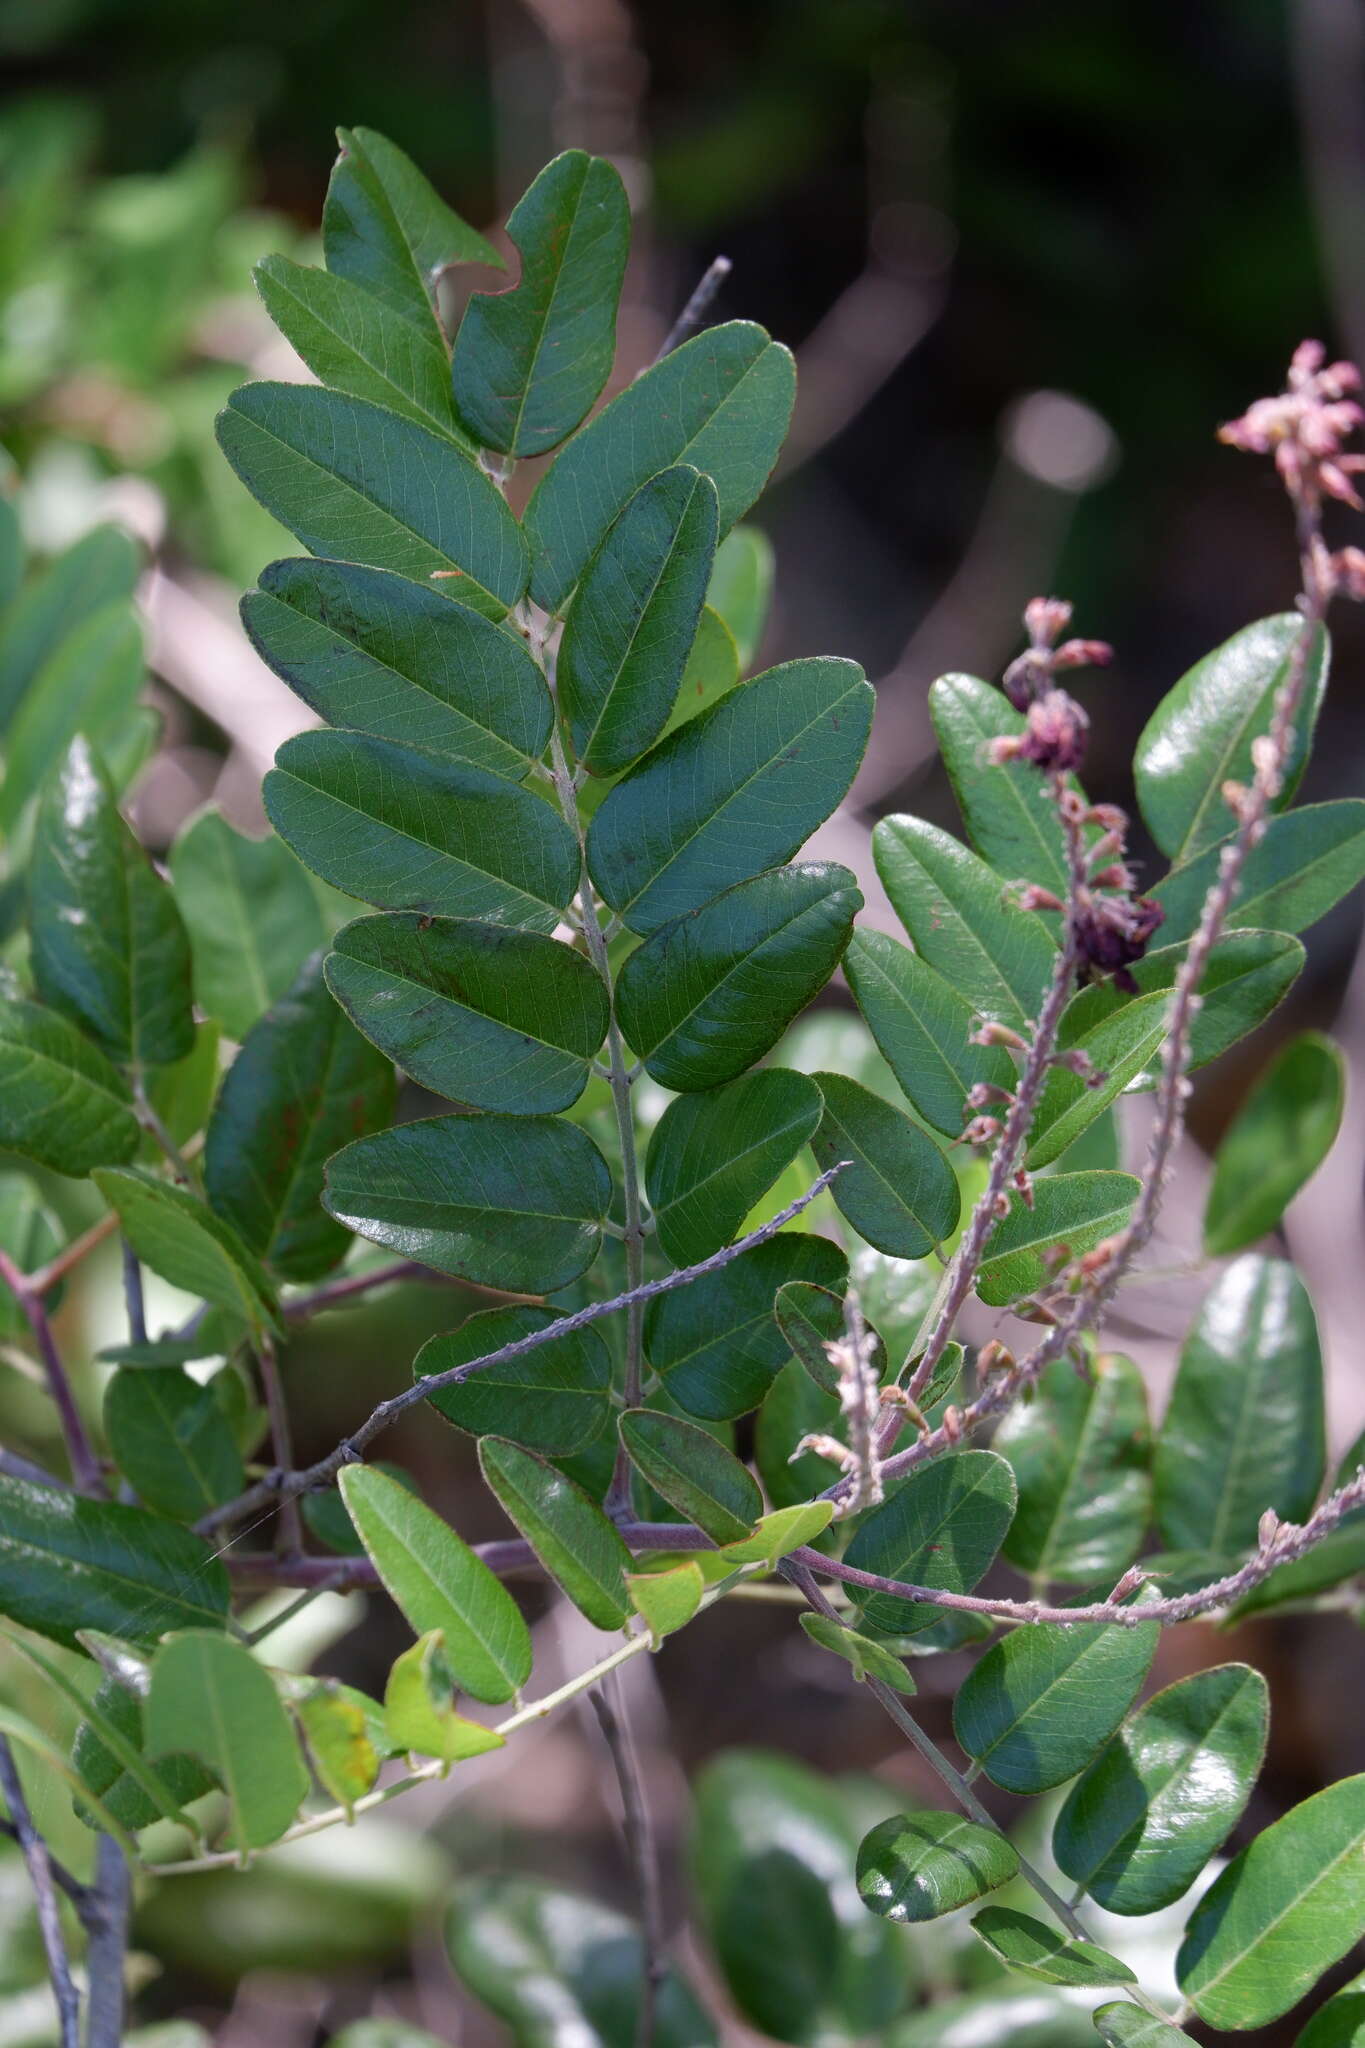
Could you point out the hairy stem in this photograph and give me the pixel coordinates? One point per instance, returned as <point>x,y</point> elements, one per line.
<point>34,1850</point>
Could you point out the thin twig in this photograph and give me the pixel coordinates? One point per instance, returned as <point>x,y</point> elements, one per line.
<point>290,1542</point>
<point>85,1468</point>
<point>106,1918</point>
<point>46,1277</point>
<point>72,1886</point>
<point>334,1293</point>
<point>16,1467</point>
<point>698,306</point>
<point>133,1295</point>
<point>41,1877</point>
<point>640,1847</point>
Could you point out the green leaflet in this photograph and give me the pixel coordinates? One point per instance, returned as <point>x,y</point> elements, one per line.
<point>1200,735</point>
<point>171,1440</point>
<point>1036,1950</point>
<point>1074,1209</point>
<point>953,907</point>
<point>721,403</point>
<point>793,1407</point>
<point>1128,2026</point>
<point>922,1027</point>
<point>742,587</point>
<point>352,479</point>
<point>385,228</point>
<point>1044,1699</point>
<point>1341,2022</point>
<point>406,830</point>
<point>918,1866</point>
<point>180,1780</point>
<point>1081,1452</point>
<point>709,993</point>
<point>1276,1142</point>
<point>941,1529</point>
<point>510,1202</point>
<point>713,1156</point>
<point>98,574</point>
<point>498,1018</point>
<point>1244,1428</point>
<point>529,363</point>
<point>712,668</point>
<point>634,619</point>
<point>1339,1556</point>
<point>90,683</point>
<point>696,1475</point>
<point>1037,2018</point>
<point>666,1600</point>
<point>809,1317</point>
<point>554,1399</point>
<point>569,1533</point>
<point>419,1712</point>
<point>715,1343</point>
<point>187,1244</point>
<point>403,661</point>
<point>1308,860</point>
<point>1140,1824</point>
<point>1285,1909</point>
<point>438,1583</point>
<point>735,790</point>
<point>336,1725</point>
<point>210,1698</point>
<point>897,1190</point>
<point>254,916</point>
<point>61,1102</point>
<point>866,1659</point>
<point>68,1564</point>
<point>32,1235</point>
<point>1007,809</point>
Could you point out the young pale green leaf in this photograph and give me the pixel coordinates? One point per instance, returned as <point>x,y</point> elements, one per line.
<point>696,1475</point>
<point>919,1866</point>
<point>1036,1950</point>
<point>1285,1909</point>
<point>1128,2026</point>
<point>1074,1209</point>
<point>108,945</point>
<point>354,342</point>
<point>61,1102</point>
<point>667,1600</point>
<point>1244,1429</point>
<point>134,1798</point>
<point>98,573</point>
<point>1006,807</point>
<point>1199,737</point>
<point>385,228</point>
<point>553,1399</point>
<point>735,790</point>
<point>254,916</point>
<point>715,1343</point>
<point>438,1583</point>
<point>498,1018</point>
<point>923,1029</point>
<point>1140,1824</point>
<point>781,1531</point>
<point>515,1203</point>
<point>187,1244</point>
<point>89,683</point>
<point>303,1083</point>
<point>713,1156</point>
<point>31,1234</point>
<point>406,830</point>
<point>1044,1699</point>
<point>712,668</point>
<point>708,994</point>
<point>68,1563</point>
<point>351,479</point>
<point>1081,1452</point>
<point>1308,860</point>
<point>897,1190</point>
<point>419,1710</point>
<point>869,1660</point>
<point>171,1441</point>
<point>380,654</point>
<point>530,363</point>
<point>720,403</point>
<point>1341,2022</point>
<point>336,1728</point>
<point>953,907</point>
<point>210,1698</point>
<point>942,1529</point>
<point>634,619</point>
<point>1276,1142</point>
<point>742,587</point>
<point>568,1532</point>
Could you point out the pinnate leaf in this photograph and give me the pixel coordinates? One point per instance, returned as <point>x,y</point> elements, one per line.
<point>1072,1209</point>
<point>923,1029</point>
<point>1036,1950</point>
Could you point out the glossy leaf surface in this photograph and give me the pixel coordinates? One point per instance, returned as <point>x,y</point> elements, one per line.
<point>897,1189</point>
<point>942,1529</point>
<point>712,1156</point>
<point>1044,1699</point>
<point>918,1866</point>
<point>1036,1950</point>
<point>1081,1452</point>
<point>716,1343</point>
<point>61,1102</point>
<point>922,1027</point>
<point>1075,1209</point>
<point>1276,1142</point>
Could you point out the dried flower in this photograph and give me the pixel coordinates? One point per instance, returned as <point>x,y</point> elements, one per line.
<point>1111,933</point>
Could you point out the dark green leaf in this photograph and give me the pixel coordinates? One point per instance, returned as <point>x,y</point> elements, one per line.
<point>721,402</point>
<point>711,669</point>
<point>1277,1141</point>
<point>1308,860</point>
<point>1200,735</point>
<point>923,1029</point>
<point>919,1866</point>
<point>693,1472</point>
<point>1072,1209</point>
<point>742,587</point>
<point>1340,1555</point>
<point>61,1102</point>
<point>186,1243</point>
<point>438,1583</point>
<point>941,1529</point>
<point>182,1779</point>
<point>1081,1452</point>
<point>380,654</point>
<point>898,1191</point>
<point>529,363</point>
<point>1341,2022</point>
<point>211,1699</point>
<point>1285,1909</point>
<point>810,1318</point>
<point>510,1202</point>
<point>1006,807</point>
<point>1244,1429</point>
<point>182,1093</point>
<point>713,1156</point>
<point>1044,1699</point>
<point>97,575</point>
<point>501,1019</point>
<point>1140,1824</point>
<point>1128,2026</point>
<point>352,479</point>
<point>953,907</point>
<point>568,1532</point>
<point>406,830</point>
<point>553,1399</point>
<point>795,1407</point>
<point>715,1343</point>
<point>384,226</point>
<point>68,1563</point>
<point>171,1441</point>
<point>90,683</point>
<point>1036,1950</point>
